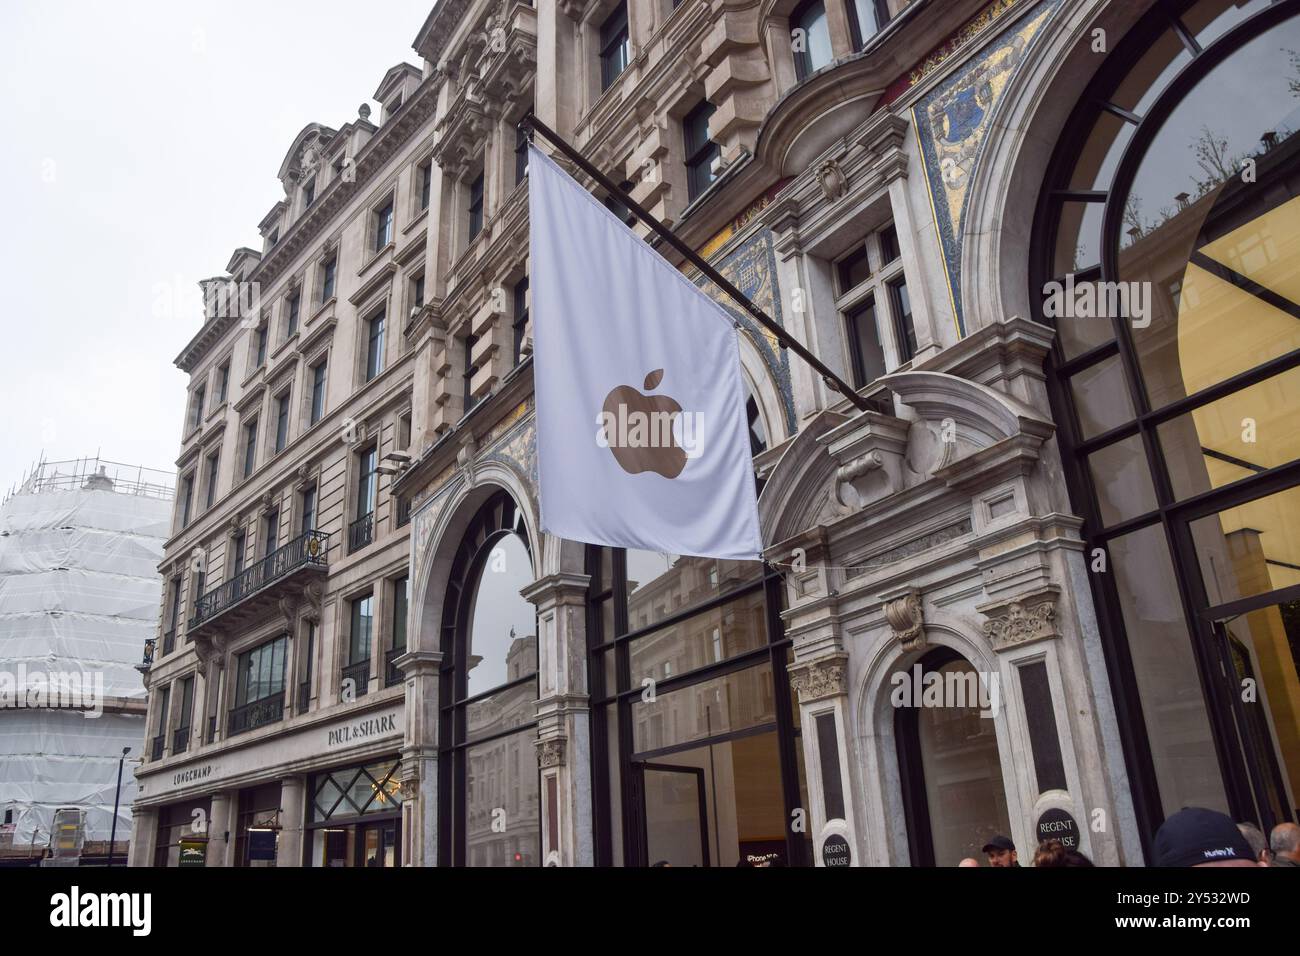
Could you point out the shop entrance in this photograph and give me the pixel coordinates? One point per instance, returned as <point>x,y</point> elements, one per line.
<point>675,814</point>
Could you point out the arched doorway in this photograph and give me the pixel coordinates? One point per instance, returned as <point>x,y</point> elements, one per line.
<point>488,812</point>
<point>954,797</point>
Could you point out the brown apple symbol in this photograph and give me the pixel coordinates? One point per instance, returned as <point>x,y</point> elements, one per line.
<point>639,429</point>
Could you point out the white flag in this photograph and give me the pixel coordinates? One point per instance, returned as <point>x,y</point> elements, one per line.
<point>642,437</point>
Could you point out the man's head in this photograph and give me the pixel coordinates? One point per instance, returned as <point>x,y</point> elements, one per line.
<point>1001,852</point>
<point>1195,836</point>
<point>969,861</point>
<point>1255,837</point>
<point>1284,841</point>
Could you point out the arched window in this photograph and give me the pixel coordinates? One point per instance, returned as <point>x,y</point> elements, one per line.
<point>953,791</point>
<point>489,811</point>
<point>810,38</point>
<point>1166,243</point>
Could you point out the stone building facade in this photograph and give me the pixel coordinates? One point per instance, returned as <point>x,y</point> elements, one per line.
<point>1059,518</point>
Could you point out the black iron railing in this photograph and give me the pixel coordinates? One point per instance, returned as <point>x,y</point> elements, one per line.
<point>393,673</point>
<point>169,642</point>
<point>359,674</point>
<point>257,714</point>
<point>156,748</point>
<point>304,696</point>
<point>361,532</point>
<point>308,549</point>
<point>180,740</point>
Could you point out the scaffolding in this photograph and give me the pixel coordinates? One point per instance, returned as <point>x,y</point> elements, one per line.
<point>80,592</point>
<point>94,473</point>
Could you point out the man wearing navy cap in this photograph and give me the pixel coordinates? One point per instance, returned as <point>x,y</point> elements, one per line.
<point>1195,836</point>
<point>1001,852</point>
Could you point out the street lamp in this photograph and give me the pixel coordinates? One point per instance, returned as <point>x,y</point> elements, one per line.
<point>117,796</point>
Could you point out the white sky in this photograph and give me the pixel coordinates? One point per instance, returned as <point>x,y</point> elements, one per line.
<point>140,146</point>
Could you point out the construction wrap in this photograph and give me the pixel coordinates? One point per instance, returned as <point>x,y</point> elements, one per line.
<point>80,594</point>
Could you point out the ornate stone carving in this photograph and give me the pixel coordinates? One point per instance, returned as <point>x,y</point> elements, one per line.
<point>465,458</point>
<point>907,620</point>
<point>311,596</point>
<point>1016,623</point>
<point>869,450</point>
<point>832,180</point>
<point>818,680</point>
<point>550,752</point>
<point>410,788</point>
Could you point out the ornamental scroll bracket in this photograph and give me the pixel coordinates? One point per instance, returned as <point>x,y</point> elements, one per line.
<point>906,618</point>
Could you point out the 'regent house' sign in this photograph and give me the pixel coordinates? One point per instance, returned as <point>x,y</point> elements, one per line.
<point>836,852</point>
<point>1057,824</point>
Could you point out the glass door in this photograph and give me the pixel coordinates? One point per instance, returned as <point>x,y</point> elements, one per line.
<point>1258,652</point>
<point>675,814</point>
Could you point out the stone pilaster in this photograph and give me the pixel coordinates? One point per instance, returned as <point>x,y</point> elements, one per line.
<point>293,806</point>
<point>419,773</point>
<point>221,830</point>
<point>144,836</point>
<point>563,718</point>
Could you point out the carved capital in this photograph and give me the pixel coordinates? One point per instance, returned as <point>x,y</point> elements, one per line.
<point>907,620</point>
<point>1021,621</point>
<point>820,679</point>
<point>550,752</point>
<point>410,788</point>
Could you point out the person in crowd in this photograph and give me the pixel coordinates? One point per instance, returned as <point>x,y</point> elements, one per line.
<point>1258,842</point>
<point>1054,853</point>
<point>969,861</point>
<point>1284,842</point>
<point>1001,852</point>
<point>1195,836</point>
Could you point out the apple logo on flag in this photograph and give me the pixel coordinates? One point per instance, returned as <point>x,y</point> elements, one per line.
<point>639,429</point>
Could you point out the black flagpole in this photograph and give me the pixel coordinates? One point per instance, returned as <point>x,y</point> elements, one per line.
<point>833,381</point>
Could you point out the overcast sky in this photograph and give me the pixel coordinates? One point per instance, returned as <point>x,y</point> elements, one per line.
<point>141,144</point>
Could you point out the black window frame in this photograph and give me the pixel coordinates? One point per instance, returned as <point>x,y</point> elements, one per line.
<point>804,66</point>
<point>519,321</point>
<point>615,45</point>
<point>474,206</point>
<point>319,373</point>
<point>383,234</point>
<point>699,155</point>
<point>375,335</point>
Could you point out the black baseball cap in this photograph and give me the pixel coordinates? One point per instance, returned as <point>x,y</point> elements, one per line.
<point>1196,835</point>
<point>999,842</point>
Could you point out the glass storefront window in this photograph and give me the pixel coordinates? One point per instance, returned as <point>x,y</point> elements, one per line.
<point>1078,239</point>
<point>1251,549</point>
<point>1122,480</point>
<point>1149,76</point>
<point>502,806</point>
<point>661,585</point>
<point>723,705</point>
<point>1169,688</point>
<point>503,628</point>
<point>1240,435</point>
<point>706,638</point>
<point>1101,152</point>
<point>1101,398</point>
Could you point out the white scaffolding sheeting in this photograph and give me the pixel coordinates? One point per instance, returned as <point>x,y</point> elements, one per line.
<point>79,595</point>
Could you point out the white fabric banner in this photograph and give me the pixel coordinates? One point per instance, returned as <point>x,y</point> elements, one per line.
<point>642,439</point>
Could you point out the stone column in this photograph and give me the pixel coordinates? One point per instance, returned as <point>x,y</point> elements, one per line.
<point>221,830</point>
<point>822,687</point>
<point>564,718</point>
<point>144,836</point>
<point>292,809</point>
<point>419,773</point>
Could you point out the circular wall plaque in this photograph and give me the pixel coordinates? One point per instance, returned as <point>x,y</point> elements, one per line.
<point>836,852</point>
<point>1056,824</point>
